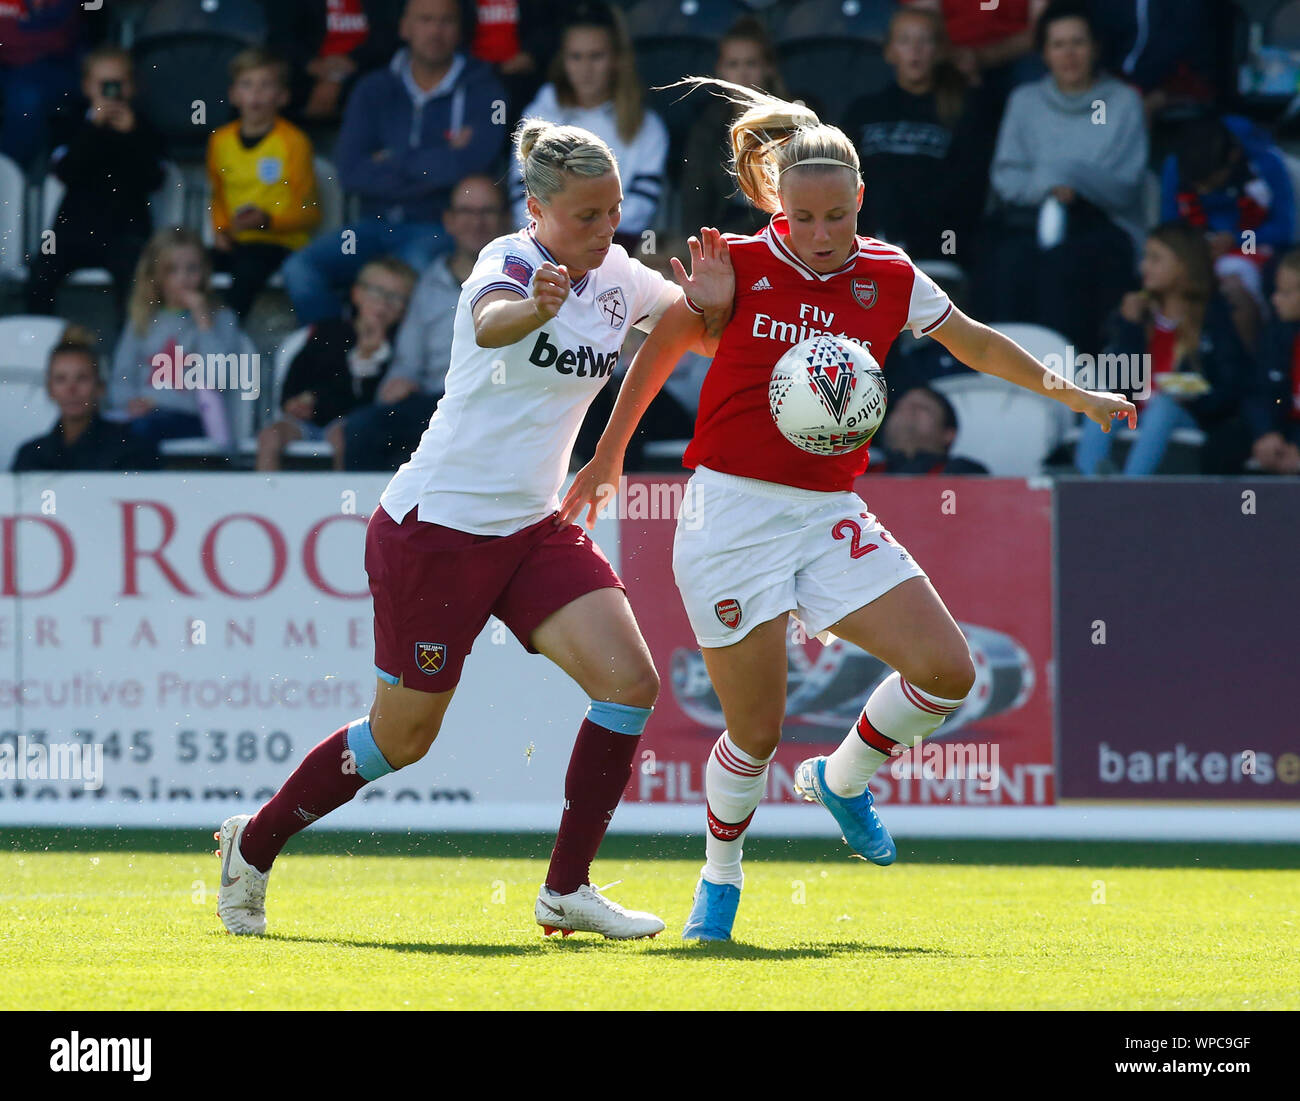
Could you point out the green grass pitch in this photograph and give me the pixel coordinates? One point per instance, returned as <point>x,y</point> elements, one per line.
<point>126,920</point>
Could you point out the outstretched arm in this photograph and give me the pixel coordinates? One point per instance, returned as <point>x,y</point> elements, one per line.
<point>987,350</point>
<point>654,361</point>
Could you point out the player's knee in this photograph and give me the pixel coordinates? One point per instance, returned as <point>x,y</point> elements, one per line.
<point>638,688</point>
<point>403,740</point>
<point>758,739</point>
<point>952,678</point>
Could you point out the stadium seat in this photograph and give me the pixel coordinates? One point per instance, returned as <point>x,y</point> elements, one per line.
<point>1001,425</point>
<point>1283,28</point>
<point>242,19</point>
<point>829,73</point>
<point>13,193</point>
<point>683,18</point>
<point>166,208</point>
<point>862,20</point>
<point>174,75</point>
<point>298,449</point>
<point>25,408</point>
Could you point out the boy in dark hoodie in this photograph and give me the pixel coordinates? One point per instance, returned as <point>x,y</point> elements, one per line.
<point>409,133</point>
<point>110,164</point>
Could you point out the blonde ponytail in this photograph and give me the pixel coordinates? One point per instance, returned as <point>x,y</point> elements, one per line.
<point>548,154</point>
<point>772,135</point>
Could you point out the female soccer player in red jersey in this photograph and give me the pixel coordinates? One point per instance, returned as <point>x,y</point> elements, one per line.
<point>775,529</point>
<point>467,529</point>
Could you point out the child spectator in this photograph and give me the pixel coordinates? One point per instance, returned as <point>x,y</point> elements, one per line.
<point>709,194</point>
<point>1272,408</point>
<point>383,435</point>
<point>264,203</point>
<point>917,437</point>
<point>111,162</point>
<point>342,364</point>
<point>1179,331</point>
<point>81,439</point>
<point>594,84</point>
<point>170,316</point>
<point>329,45</point>
<point>410,133</point>
<point>1227,179</point>
<point>924,146</point>
<point>1068,215</point>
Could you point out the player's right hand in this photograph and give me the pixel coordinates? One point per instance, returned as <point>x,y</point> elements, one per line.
<point>550,289</point>
<point>593,486</point>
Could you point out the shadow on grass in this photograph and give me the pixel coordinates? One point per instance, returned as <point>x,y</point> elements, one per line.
<point>713,950</point>
<point>637,847</point>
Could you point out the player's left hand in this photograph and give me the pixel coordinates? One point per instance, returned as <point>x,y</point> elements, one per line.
<point>1103,407</point>
<point>593,486</point>
<point>711,284</point>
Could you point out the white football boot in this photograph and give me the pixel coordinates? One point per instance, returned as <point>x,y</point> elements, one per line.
<point>241,899</point>
<point>586,910</point>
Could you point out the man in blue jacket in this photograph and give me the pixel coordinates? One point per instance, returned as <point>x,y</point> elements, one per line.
<point>409,133</point>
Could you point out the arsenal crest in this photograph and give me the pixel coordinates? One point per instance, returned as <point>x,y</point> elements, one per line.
<point>430,657</point>
<point>864,290</point>
<point>728,613</point>
<point>611,304</point>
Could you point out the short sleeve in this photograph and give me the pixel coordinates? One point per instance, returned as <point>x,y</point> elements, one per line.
<point>929,307</point>
<point>501,266</point>
<point>652,294</point>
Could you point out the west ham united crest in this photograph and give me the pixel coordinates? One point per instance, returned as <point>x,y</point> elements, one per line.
<point>864,290</point>
<point>612,305</point>
<point>728,613</point>
<point>430,657</point>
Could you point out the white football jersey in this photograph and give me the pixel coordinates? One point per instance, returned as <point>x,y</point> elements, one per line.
<point>497,448</point>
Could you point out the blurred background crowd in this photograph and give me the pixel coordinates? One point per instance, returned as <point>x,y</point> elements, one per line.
<point>310,181</point>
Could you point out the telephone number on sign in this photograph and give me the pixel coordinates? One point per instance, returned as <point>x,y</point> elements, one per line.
<point>187,747</point>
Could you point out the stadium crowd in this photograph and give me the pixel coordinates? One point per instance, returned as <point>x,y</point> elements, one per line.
<point>312,180</point>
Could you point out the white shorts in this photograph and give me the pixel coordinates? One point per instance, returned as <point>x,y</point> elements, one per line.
<point>746,551</point>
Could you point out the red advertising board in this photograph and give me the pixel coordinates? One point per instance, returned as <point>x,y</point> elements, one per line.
<point>986,546</point>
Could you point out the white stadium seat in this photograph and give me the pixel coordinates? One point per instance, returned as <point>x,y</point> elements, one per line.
<point>13,194</point>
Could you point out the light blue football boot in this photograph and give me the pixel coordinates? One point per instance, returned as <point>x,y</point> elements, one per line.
<point>714,911</point>
<point>857,817</point>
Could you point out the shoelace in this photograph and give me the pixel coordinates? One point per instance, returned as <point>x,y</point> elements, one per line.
<point>608,902</point>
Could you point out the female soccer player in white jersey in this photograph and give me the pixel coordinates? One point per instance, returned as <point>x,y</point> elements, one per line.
<point>468,528</point>
<point>782,530</point>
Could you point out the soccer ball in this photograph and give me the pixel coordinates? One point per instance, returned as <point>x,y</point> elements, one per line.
<point>827,395</point>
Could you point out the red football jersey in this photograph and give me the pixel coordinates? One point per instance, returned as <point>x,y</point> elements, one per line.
<point>781,301</point>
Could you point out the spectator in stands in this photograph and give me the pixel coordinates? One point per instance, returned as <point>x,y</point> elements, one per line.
<point>594,84</point>
<point>925,146</point>
<point>109,165</point>
<point>917,437</point>
<point>1272,405</point>
<point>409,134</point>
<point>81,439</point>
<point>342,365</point>
<point>381,436</point>
<point>329,45</point>
<point>710,197</point>
<point>38,71</point>
<point>993,46</point>
<point>264,202</point>
<point>913,363</point>
<point>515,37</point>
<point>1227,179</point>
<point>1165,48</point>
<point>172,315</point>
<point>1060,244</point>
<point>1176,336</point>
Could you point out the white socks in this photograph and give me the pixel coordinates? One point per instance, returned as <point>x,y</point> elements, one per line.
<point>733,785</point>
<point>896,713</point>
